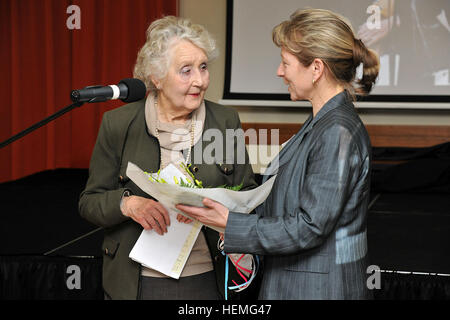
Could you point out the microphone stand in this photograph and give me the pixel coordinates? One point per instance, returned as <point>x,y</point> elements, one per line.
<point>36,126</point>
<point>40,123</point>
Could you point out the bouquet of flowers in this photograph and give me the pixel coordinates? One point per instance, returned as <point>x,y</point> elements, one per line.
<point>170,186</point>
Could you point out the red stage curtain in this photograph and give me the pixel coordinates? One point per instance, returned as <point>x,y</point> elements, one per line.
<point>42,60</point>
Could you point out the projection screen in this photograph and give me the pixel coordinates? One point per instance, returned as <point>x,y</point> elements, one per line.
<point>412,38</point>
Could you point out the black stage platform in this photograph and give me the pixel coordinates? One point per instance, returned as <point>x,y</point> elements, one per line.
<point>42,235</point>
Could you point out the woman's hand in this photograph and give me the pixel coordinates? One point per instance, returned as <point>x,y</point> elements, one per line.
<point>215,214</point>
<point>183,219</point>
<point>148,213</point>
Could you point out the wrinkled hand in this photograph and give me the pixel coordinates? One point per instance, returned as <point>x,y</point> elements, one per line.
<point>150,214</point>
<point>215,214</point>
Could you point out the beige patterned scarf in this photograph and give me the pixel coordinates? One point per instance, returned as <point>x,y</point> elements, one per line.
<point>174,139</point>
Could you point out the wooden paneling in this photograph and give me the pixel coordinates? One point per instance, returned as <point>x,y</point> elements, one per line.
<point>408,136</point>
<point>286,130</point>
<point>380,135</point>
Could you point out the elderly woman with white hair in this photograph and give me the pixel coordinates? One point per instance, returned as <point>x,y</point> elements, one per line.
<point>165,128</point>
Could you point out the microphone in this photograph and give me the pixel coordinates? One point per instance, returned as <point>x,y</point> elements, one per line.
<point>128,90</point>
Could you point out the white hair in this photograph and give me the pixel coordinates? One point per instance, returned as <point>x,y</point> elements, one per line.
<point>153,59</point>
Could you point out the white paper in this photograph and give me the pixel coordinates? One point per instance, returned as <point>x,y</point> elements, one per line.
<point>169,252</point>
<point>166,253</point>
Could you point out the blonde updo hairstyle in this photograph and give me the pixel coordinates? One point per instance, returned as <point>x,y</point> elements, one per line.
<point>322,34</point>
<point>154,57</point>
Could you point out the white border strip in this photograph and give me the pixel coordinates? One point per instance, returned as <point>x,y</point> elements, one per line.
<point>358,105</point>
<point>416,273</point>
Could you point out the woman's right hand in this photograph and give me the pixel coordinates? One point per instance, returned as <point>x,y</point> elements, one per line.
<point>150,214</point>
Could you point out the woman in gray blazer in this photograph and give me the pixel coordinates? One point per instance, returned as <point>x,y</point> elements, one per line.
<point>311,229</point>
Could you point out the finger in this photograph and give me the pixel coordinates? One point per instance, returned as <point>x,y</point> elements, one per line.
<point>198,213</point>
<point>191,211</point>
<point>209,203</point>
<point>186,220</point>
<point>183,219</point>
<point>154,225</point>
<point>163,211</point>
<point>217,206</point>
<point>138,219</point>
<point>144,224</point>
<point>159,220</point>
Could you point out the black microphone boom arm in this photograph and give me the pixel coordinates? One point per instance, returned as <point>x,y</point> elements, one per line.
<point>128,90</point>
<point>40,124</point>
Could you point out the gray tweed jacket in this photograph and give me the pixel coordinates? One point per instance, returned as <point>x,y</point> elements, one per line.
<point>311,229</point>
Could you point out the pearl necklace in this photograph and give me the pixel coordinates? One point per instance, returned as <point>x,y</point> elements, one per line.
<point>188,158</point>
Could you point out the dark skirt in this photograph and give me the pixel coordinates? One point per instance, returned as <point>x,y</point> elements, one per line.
<point>197,287</point>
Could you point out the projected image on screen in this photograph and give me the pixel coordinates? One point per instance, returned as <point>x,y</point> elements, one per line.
<point>412,38</point>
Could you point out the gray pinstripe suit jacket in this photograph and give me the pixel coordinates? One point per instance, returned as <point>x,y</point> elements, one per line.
<point>311,229</point>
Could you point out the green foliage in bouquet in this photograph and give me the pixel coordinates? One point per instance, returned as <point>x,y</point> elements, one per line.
<point>188,183</point>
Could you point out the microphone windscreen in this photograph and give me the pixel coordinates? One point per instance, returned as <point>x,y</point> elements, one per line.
<point>136,89</point>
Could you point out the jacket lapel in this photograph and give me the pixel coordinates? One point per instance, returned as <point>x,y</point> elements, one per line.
<point>288,150</point>
<point>292,146</point>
